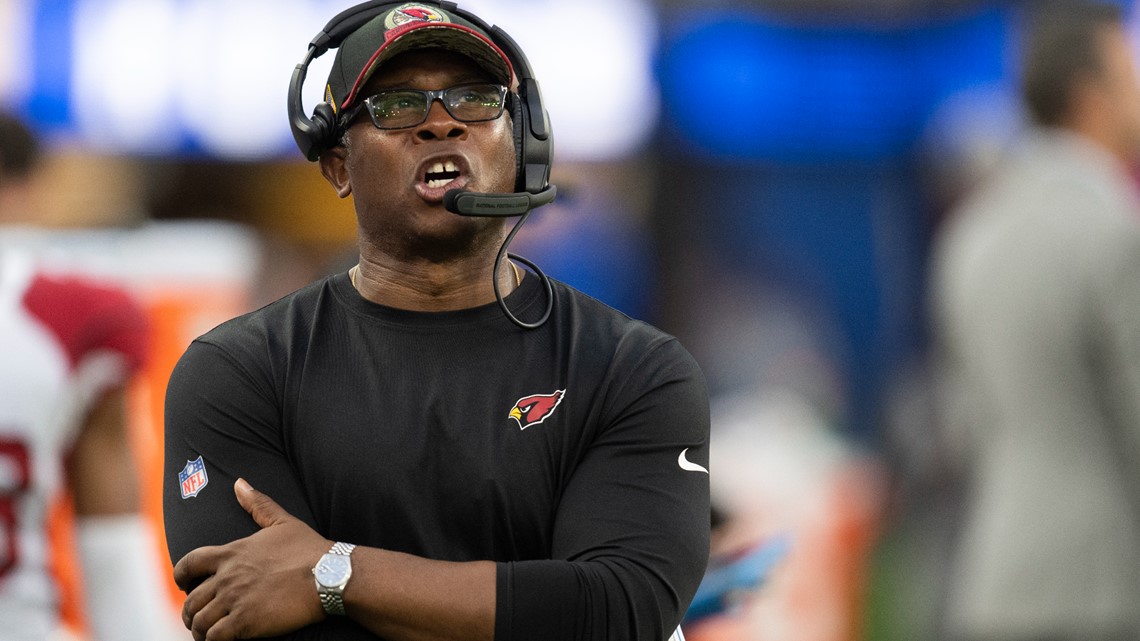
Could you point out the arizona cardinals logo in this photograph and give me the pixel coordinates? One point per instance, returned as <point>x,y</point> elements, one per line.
<point>412,13</point>
<point>419,13</point>
<point>536,408</point>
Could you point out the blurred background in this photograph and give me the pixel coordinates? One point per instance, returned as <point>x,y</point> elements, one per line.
<point>760,178</point>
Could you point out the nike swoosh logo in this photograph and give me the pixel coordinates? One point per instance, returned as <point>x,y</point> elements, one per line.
<point>688,465</point>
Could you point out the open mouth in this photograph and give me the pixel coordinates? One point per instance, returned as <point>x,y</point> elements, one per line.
<point>440,174</point>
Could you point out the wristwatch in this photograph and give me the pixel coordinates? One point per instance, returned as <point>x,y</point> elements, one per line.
<point>332,573</point>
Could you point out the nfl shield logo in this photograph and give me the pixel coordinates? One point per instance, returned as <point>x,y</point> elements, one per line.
<point>193,478</point>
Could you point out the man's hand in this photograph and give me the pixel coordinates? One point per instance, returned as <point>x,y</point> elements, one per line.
<point>258,586</point>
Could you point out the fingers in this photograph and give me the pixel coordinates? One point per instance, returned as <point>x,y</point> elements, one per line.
<point>213,615</point>
<point>197,564</point>
<point>207,617</point>
<point>264,510</point>
<point>225,629</point>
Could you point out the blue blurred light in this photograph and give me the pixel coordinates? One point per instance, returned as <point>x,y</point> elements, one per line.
<point>747,86</point>
<point>190,77</point>
<point>51,62</point>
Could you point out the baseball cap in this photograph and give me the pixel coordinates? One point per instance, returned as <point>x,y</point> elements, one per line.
<point>405,28</point>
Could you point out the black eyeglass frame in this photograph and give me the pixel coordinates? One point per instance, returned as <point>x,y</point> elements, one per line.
<point>431,96</point>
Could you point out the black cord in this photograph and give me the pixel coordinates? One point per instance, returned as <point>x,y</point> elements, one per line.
<point>538,272</point>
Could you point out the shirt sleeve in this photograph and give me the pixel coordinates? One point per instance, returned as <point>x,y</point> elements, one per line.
<point>91,318</point>
<point>631,533</point>
<point>224,411</point>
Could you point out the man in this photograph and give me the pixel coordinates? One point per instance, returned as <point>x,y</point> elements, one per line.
<point>481,475</point>
<point>1038,298</point>
<point>68,350</point>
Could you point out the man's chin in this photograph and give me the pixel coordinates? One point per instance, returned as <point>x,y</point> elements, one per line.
<point>452,235</point>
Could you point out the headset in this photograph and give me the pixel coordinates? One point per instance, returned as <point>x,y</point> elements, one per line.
<point>534,148</point>
<point>534,143</point>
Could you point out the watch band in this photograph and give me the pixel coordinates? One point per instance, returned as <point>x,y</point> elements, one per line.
<point>333,601</point>
<point>342,548</point>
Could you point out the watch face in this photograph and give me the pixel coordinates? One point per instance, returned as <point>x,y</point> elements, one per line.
<point>332,570</point>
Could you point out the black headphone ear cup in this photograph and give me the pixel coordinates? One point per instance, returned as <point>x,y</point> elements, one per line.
<point>324,126</point>
<point>519,128</point>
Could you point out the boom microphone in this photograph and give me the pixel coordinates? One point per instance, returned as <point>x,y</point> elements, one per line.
<point>471,203</point>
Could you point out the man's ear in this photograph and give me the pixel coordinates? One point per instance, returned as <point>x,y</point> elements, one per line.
<point>333,169</point>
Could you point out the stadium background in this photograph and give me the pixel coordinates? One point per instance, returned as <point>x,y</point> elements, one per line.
<point>761,178</point>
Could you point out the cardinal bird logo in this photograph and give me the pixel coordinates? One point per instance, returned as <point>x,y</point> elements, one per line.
<point>536,408</point>
<point>412,13</point>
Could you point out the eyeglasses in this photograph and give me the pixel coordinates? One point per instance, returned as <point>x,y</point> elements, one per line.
<point>403,108</point>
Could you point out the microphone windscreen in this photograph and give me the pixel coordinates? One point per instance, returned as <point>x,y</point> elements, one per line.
<point>469,203</point>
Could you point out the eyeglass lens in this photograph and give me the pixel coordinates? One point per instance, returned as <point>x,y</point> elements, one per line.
<point>408,107</point>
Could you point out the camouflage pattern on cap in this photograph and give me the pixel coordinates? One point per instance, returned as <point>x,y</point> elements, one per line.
<point>406,28</point>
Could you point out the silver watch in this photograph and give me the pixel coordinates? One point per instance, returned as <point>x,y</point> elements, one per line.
<point>332,573</point>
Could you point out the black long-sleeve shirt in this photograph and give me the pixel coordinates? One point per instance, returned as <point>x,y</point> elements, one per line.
<point>559,452</point>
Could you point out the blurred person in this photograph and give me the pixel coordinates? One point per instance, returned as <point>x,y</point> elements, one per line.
<point>738,569</point>
<point>1037,297</point>
<point>445,445</point>
<point>69,348</point>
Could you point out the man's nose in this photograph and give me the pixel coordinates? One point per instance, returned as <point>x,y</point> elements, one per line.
<point>440,124</point>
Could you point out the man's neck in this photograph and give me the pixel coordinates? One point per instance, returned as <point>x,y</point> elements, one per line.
<point>431,287</point>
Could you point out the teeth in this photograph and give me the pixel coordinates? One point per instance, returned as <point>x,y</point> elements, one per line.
<point>439,167</point>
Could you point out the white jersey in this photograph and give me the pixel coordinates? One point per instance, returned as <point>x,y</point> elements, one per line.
<point>63,341</point>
